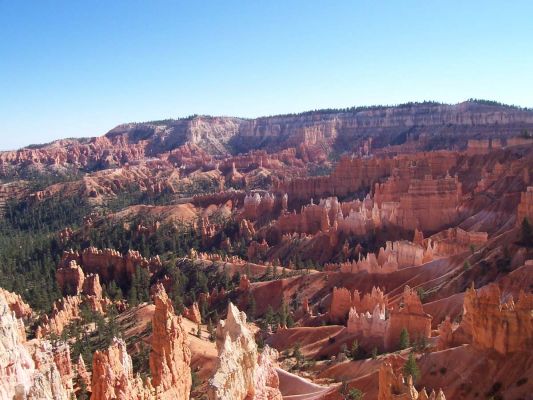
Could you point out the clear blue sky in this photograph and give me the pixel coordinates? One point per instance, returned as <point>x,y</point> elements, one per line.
<point>78,68</point>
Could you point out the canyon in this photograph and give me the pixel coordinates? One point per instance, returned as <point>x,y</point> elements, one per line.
<point>384,252</point>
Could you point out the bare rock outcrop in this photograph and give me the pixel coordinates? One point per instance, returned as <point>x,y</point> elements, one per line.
<point>241,372</point>
<point>16,304</point>
<point>342,301</point>
<point>108,264</point>
<point>64,311</point>
<point>41,372</point>
<point>193,313</point>
<point>393,386</point>
<point>112,376</point>
<point>70,278</point>
<point>408,315</point>
<point>506,327</point>
<point>525,207</point>
<point>170,356</point>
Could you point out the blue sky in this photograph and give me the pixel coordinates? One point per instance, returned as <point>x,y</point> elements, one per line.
<point>79,68</point>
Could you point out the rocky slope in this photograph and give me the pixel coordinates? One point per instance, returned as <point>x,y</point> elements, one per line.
<point>159,264</point>
<point>433,125</point>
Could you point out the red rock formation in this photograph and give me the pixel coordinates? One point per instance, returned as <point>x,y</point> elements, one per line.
<point>70,278</point>
<point>394,256</point>
<point>256,206</point>
<point>82,373</point>
<point>525,208</point>
<point>42,373</point>
<point>244,283</point>
<point>16,304</point>
<point>241,373</point>
<point>67,309</point>
<point>170,356</point>
<point>64,311</point>
<point>109,264</point>
<point>409,315</point>
<point>429,204</point>
<point>246,230</point>
<point>493,325</point>
<point>342,301</point>
<point>193,313</point>
<point>92,287</point>
<point>394,387</point>
<point>256,250</point>
<point>366,324</point>
<point>112,376</point>
<point>456,240</point>
<point>445,334</point>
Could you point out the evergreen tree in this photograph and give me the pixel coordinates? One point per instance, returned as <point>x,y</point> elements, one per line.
<point>411,368</point>
<point>251,308</point>
<point>211,330</point>
<point>283,313</point>
<point>354,350</point>
<point>404,339</point>
<point>374,353</point>
<point>526,233</point>
<point>269,317</point>
<point>297,353</point>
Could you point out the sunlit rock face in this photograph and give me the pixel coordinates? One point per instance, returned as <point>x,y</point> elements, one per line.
<point>342,301</point>
<point>410,316</point>
<point>505,327</point>
<point>41,371</point>
<point>170,356</point>
<point>525,208</point>
<point>394,386</point>
<point>113,378</point>
<point>242,373</point>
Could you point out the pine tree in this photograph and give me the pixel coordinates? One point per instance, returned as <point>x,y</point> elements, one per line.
<point>211,330</point>
<point>404,339</point>
<point>526,233</point>
<point>251,308</point>
<point>270,317</point>
<point>374,353</point>
<point>354,350</point>
<point>283,313</point>
<point>411,368</point>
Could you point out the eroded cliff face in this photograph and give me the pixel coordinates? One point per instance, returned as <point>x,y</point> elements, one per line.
<point>342,301</point>
<point>408,315</point>
<point>108,264</point>
<point>113,378</point>
<point>170,356</point>
<point>16,304</point>
<point>393,386</point>
<point>241,372</point>
<point>506,327</point>
<point>36,371</point>
<point>525,208</point>
<point>198,138</point>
